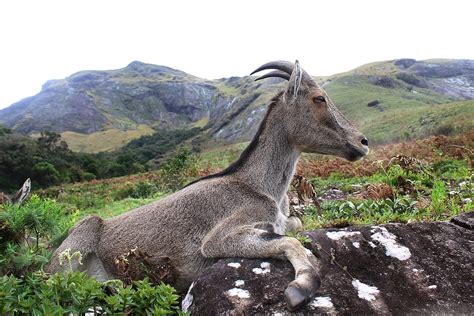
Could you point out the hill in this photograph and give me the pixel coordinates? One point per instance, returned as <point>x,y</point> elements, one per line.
<point>102,110</point>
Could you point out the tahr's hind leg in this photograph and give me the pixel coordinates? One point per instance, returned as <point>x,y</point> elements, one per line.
<point>83,238</point>
<point>250,242</point>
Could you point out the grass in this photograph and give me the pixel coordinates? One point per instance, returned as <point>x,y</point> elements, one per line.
<point>403,110</point>
<point>200,123</point>
<point>221,157</point>
<point>107,140</point>
<point>417,196</point>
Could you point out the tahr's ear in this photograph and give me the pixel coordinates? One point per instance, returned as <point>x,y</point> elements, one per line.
<point>295,80</point>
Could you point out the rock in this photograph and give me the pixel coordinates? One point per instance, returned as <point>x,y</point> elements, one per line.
<point>465,220</point>
<point>333,194</point>
<point>417,268</point>
<point>412,80</point>
<point>373,103</point>
<point>405,63</point>
<point>383,81</point>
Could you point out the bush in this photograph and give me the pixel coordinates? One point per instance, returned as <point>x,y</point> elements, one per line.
<point>22,230</point>
<point>178,170</point>
<point>35,219</point>
<point>445,130</point>
<point>76,293</point>
<point>144,189</point>
<point>45,173</point>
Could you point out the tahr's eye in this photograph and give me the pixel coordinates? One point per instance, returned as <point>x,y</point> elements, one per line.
<point>319,99</point>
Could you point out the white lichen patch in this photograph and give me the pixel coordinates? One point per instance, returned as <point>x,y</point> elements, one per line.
<point>432,287</point>
<point>234,265</point>
<point>322,301</point>
<point>340,234</point>
<point>365,291</point>
<point>265,265</point>
<point>372,244</point>
<point>188,299</point>
<point>239,283</point>
<point>392,248</point>
<point>356,244</point>
<point>238,292</point>
<point>308,252</point>
<point>260,270</point>
<point>264,268</point>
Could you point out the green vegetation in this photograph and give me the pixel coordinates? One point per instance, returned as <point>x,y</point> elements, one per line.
<point>48,161</point>
<point>437,191</point>
<point>75,293</point>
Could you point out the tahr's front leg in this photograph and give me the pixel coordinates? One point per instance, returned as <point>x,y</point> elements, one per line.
<point>246,241</point>
<point>292,223</point>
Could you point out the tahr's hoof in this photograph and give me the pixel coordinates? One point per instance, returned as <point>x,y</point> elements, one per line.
<point>296,298</point>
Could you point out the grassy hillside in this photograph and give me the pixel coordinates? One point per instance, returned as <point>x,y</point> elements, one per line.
<point>107,140</point>
<point>401,113</point>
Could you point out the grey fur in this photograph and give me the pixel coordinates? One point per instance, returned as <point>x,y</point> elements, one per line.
<point>240,212</point>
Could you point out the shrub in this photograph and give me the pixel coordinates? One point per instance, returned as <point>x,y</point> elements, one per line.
<point>35,219</point>
<point>45,173</point>
<point>179,169</point>
<point>144,189</point>
<point>22,230</point>
<point>76,293</point>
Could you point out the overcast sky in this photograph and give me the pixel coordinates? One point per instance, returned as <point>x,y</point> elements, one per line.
<point>42,40</point>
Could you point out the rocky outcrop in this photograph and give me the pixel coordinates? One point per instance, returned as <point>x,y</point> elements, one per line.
<point>418,268</point>
<point>405,63</point>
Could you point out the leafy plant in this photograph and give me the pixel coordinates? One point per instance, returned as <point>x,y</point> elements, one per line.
<point>36,219</point>
<point>24,229</point>
<point>77,293</point>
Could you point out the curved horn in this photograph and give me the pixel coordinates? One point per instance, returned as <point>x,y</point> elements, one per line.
<point>276,73</point>
<point>284,66</point>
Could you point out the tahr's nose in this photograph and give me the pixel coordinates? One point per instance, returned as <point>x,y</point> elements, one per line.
<point>365,141</point>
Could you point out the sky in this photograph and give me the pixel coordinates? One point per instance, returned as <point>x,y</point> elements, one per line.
<point>43,40</point>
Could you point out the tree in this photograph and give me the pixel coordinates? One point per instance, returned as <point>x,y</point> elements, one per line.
<point>45,173</point>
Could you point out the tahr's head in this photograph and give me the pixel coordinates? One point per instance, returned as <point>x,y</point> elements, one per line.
<point>311,119</point>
